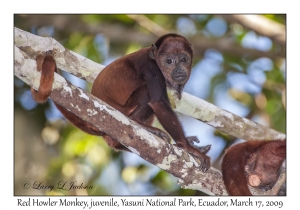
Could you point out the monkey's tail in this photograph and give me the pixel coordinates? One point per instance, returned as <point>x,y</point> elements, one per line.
<point>47,66</point>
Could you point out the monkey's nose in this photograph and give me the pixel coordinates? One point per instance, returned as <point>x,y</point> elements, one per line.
<point>180,71</point>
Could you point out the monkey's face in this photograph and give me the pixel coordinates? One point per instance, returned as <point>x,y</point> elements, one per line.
<point>175,62</point>
<point>176,67</point>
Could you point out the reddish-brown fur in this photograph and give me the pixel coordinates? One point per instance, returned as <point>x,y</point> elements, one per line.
<point>136,86</point>
<point>261,158</point>
<point>47,65</point>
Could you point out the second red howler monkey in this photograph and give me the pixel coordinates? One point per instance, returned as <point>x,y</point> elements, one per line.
<point>136,86</point>
<point>254,163</point>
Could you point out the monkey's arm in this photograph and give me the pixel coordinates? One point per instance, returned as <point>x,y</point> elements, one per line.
<point>160,105</point>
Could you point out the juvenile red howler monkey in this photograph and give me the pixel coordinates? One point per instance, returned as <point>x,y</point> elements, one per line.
<point>136,86</point>
<point>256,163</point>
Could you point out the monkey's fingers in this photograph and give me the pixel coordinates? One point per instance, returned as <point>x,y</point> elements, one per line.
<point>205,160</point>
<point>192,139</point>
<point>164,136</point>
<point>205,163</point>
<point>203,149</point>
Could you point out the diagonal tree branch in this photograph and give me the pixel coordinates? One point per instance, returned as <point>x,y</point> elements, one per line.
<point>189,105</point>
<point>149,25</point>
<point>120,34</point>
<point>261,25</point>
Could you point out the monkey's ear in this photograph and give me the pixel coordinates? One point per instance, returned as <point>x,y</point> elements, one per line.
<point>152,51</point>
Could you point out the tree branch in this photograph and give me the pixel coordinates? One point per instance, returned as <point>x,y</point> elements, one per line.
<point>149,24</point>
<point>189,105</point>
<point>120,34</point>
<point>261,25</point>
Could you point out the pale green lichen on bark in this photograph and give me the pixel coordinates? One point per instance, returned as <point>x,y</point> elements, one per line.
<point>171,96</point>
<point>188,107</point>
<point>221,119</point>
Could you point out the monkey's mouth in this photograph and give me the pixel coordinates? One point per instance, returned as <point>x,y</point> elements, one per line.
<point>179,76</point>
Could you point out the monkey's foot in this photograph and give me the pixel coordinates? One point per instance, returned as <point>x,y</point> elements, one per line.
<point>203,149</point>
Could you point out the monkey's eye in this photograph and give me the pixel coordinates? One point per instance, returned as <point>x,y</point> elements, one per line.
<point>184,60</point>
<point>169,61</point>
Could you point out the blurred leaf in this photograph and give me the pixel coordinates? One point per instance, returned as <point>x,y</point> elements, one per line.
<point>129,174</point>
<point>90,18</point>
<point>240,96</point>
<point>163,181</point>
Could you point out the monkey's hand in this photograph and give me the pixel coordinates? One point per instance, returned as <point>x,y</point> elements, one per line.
<point>195,151</point>
<point>193,139</point>
<point>205,160</point>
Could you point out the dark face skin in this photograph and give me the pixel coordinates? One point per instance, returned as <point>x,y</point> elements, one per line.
<point>177,66</point>
<point>175,62</point>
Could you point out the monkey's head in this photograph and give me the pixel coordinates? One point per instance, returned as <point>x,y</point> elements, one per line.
<point>173,54</point>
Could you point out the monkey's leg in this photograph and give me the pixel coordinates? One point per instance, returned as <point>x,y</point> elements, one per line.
<point>78,122</point>
<point>142,113</point>
<point>115,144</point>
<point>90,129</point>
